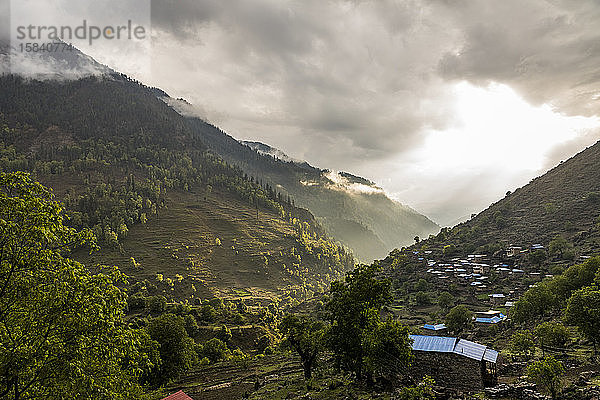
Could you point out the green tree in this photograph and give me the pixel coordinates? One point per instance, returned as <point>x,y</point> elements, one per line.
<point>445,300</point>
<point>547,373</point>
<point>62,333</point>
<point>422,299</point>
<point>215,350</point>
<point>305,335</point>
<point>224,334</point>
<point>537,301</point>
<point>176,347</point>
<point>583,311</point>
<point>537,257</point>
<point>422,285</point>
<point>388,350</point>
<point>552,334</point>
<point>208,313</point>
<point>522,343</point>
<point>157,304</point>
<point>137,302</point>
<point>353,310</point>
<point>191,325</point>
<point>459,319</point>
<point>560,248</point>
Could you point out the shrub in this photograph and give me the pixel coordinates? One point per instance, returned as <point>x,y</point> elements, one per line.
<point>215,350</point>
<point>137,302</point>
<point>157,304</point>
<point>422,299</point>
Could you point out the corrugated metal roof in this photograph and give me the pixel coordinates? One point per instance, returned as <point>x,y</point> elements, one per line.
<point>435,327</point>
<point>462,347</point>
<point>490,355</point>
<point>433,343</point>
<point>470,349</point>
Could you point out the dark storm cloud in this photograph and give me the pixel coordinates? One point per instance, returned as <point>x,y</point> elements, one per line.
<point>548,50</point>
<point>266,26</point>
<point>349,83</point>
<point>337,68</point>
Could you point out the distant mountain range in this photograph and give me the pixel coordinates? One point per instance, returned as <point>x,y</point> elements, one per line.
<point>352,209</point>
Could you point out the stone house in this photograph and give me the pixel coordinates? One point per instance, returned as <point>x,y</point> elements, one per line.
<point>454,362</point>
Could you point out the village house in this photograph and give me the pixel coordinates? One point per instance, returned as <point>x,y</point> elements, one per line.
<point>489,317</point>
<point>178,396</point>
<point>496,298</point>
<point>513,251</point>
<point>454,362</point>
<point>435,329</point>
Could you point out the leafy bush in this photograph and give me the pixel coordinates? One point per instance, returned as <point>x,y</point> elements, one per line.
<point>157,304</point>
<point>546,373</point>
<point>137,302</point>
<point>215,350</point>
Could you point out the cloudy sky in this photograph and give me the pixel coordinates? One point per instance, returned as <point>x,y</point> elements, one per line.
<point>446,104</point>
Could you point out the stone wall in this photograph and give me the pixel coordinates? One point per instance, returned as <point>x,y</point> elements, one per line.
<point>448,370</point>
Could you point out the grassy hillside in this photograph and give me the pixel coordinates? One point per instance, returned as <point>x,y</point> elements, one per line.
<point>565,201</point>
<point>351,208</point>
<point>216,243</point>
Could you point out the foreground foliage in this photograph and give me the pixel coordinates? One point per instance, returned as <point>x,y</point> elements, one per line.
<point>546,373</point>
<point>61,329</point>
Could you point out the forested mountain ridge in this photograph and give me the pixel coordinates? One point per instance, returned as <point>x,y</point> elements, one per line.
<point>352,209</point>
<point>132,169</point>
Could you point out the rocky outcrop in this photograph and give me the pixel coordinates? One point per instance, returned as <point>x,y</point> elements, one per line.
<point>518,391</point>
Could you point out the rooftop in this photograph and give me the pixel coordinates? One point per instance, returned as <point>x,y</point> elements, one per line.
<point>436,327</point>
<point>462,347</point>
<point>178,396</point>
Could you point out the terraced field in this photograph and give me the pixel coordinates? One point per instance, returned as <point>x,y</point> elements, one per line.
<point>216,243</point>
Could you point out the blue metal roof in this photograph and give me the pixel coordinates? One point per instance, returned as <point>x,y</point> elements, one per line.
<point>470,349</point>
<point>433,343</point>
<point>436,327</point>
<point>490,355</point>
<point>462,347</point>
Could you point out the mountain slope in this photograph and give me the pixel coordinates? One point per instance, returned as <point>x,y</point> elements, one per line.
<point>164,208</point>
<point>565,201</point>
<point>352,209</point>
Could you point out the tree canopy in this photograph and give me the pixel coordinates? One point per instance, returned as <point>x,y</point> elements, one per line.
<point>353,308</point>
<point>583,310</point>
<point>546,373</point>
<point>61,329</point>
<point>458,319</point>
<point>305,335</point>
